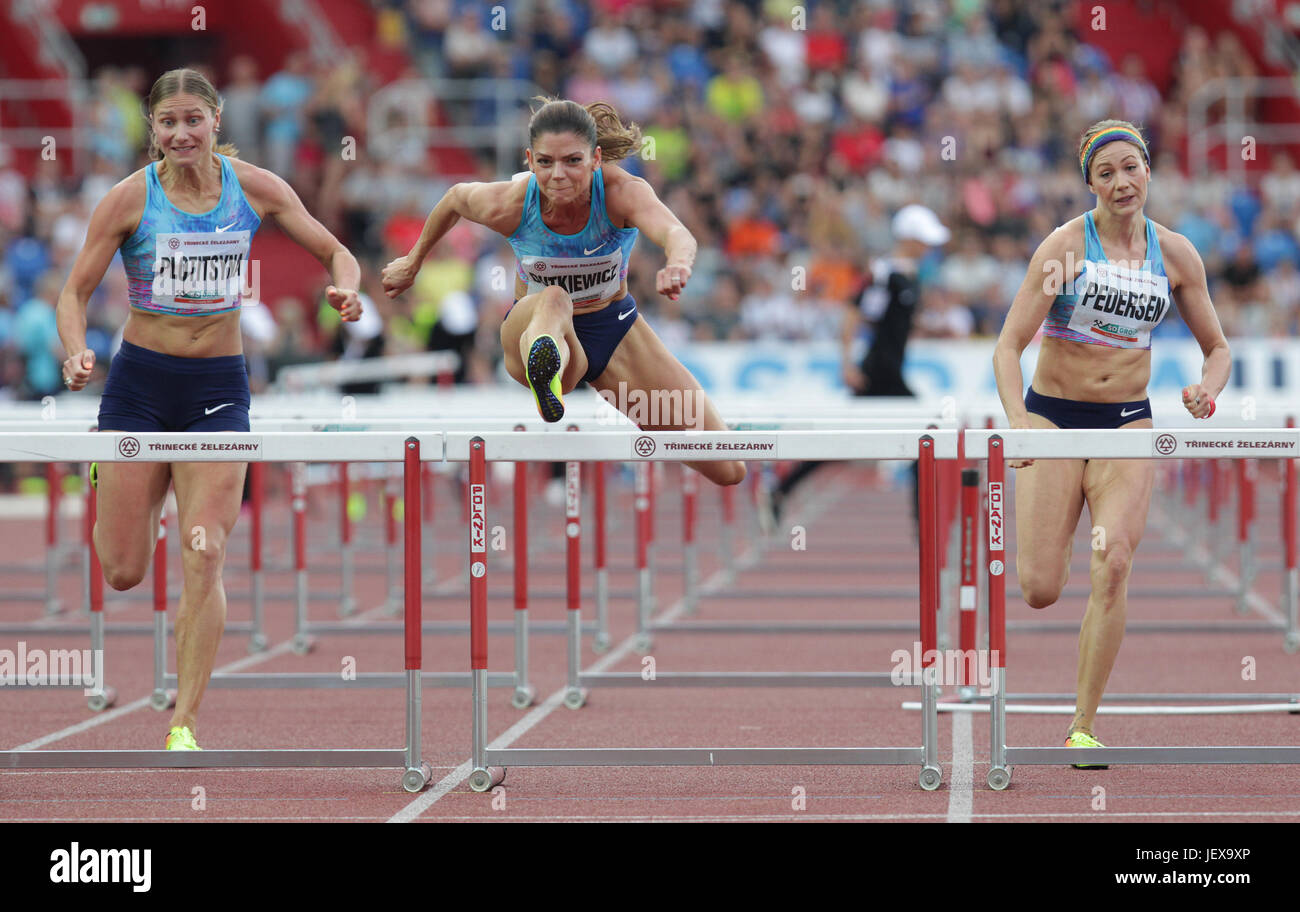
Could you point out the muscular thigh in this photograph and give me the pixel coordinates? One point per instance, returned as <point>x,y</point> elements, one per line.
<point>208,495</point>
<point>129,497</point>
<point>1049,499</point>
<point>512,329</point>
<point>1118,492</point>
<point>653,388</point>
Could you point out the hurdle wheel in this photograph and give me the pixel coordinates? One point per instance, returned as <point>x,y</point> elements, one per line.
<point>643,644</point>
<point>1291,645</point>
<point>302,644</point>
<point>414,780</point>
<point>600,643</point>
<point>347,607</point>
<point>483,779</point>
<point>999,778</point>
<point>930,778</point>
<point>575,697</point>
<point>162,699</point>
<point>522,698</point>
<point>258,643</point>
<point>98,702</point>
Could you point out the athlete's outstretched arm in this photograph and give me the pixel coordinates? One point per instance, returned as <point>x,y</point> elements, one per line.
<point>281,203</point>
<point>110,225</point>
<point>1043,281</point>
<point>478,202</point>
<point>647,213</point>
<point>1197,311</point>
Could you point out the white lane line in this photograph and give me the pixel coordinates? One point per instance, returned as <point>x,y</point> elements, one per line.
<point>960,792</point>
<point>520,728</point>
<point>80,727</point>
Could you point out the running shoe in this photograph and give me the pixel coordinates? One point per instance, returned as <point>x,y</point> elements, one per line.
<point>544,377</point>
<point>181,738</point>
<point>94,475</point>
<point>1083,739</point>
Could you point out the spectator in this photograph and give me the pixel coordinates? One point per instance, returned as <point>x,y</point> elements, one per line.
<point>282,101</point>
<point>735,95</point>
<point>240,114</point>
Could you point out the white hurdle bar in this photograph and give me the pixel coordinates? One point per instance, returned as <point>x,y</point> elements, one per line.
<point>998,446</point>
<point>928,446</point>
<point>408,449</point>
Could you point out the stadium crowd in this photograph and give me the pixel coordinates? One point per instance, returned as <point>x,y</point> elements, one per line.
<point>783,137</point>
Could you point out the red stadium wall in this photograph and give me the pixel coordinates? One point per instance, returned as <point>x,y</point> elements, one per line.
<point>19,59</point>
<point>1153,29</point>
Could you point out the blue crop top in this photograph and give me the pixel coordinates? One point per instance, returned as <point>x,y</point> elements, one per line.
<point>589,265</point>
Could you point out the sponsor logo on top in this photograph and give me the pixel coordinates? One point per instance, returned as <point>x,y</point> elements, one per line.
<point>216,448</point>
<point>1262,444</point>
<point>735,446</point>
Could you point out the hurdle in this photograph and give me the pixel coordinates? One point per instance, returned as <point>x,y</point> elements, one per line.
<point>900,418</point>
<point>477,449</point>
<point>264,447</point>
<point>996,447</point>
<point>1213,546</point>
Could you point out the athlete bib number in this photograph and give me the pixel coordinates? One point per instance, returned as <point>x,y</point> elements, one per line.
<point>588,280</point>
<point>200,272</point>
<point>1118,305</point>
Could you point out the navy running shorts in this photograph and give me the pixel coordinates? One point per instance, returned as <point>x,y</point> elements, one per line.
<point>150,391</point>
<point>600,332</point>
<point>1068,413</point>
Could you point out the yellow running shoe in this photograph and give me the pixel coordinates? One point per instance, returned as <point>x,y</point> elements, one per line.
<point>181,738</point>
<point>543,372</point>
<point>94,475</point>
<point>1083,739</point>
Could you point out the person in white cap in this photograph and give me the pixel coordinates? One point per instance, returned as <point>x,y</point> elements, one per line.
<point>889,302</point>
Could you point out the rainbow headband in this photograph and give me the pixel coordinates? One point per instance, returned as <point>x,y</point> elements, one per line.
<point>1107,136</point>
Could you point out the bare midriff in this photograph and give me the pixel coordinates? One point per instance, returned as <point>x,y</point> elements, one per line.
<point>1091,373</point>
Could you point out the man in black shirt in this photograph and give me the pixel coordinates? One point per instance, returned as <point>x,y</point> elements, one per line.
<point>889,301</point>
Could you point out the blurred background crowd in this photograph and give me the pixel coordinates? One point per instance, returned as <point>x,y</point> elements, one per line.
<point>784,148</point>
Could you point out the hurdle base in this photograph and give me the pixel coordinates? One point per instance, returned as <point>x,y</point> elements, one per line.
<point>703,756</point>
<point>210,759</point>
<point>1066,756</point>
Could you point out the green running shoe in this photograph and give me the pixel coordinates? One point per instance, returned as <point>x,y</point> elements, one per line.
<point>94,475</point>
<point>1083,739</point>
<point>181,738</point>
<point>544,377</point>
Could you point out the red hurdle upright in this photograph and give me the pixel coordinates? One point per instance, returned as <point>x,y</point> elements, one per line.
<point>601,641</point>
<point>160,699</point>
<point>106,696</point>
<point>53,554</point>
<point>574,695</point>
<point>476,506</point>
<point>1291,591</point>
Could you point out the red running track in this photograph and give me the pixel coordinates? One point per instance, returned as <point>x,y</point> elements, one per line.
<point>857,534</point>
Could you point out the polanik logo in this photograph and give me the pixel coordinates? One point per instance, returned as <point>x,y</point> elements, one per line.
<point>478,520</point>
<point>995,516</point>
